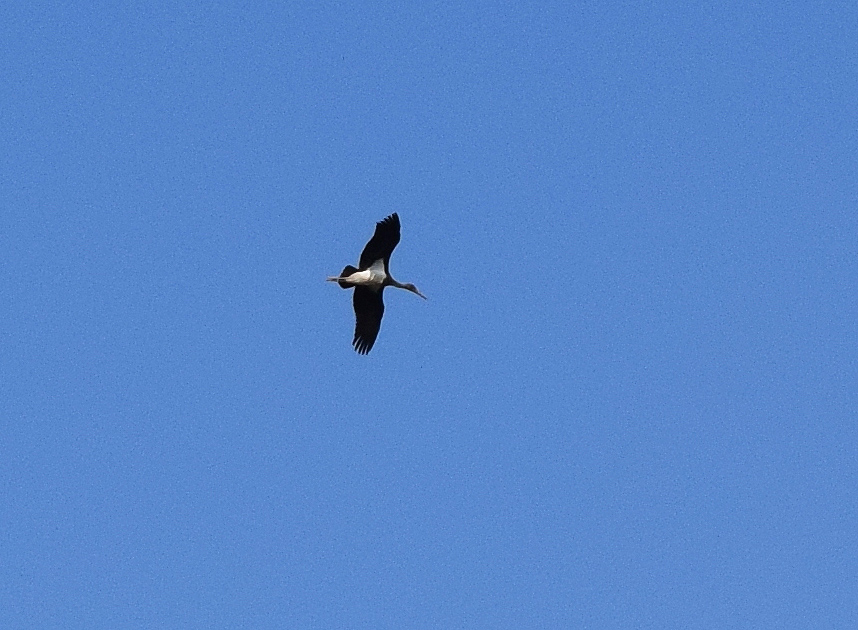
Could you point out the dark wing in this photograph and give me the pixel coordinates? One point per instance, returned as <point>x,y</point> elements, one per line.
<point>369,309</point>
<point>382,243</point>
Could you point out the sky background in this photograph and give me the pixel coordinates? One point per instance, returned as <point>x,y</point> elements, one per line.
<point>629,401</point>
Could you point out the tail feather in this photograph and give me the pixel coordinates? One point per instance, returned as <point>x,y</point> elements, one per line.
<point>349,270</point>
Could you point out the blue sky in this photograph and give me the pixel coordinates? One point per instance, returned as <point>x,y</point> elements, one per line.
<point>629,401</point>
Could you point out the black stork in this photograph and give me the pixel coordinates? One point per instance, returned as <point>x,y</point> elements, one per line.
<point>369,281</point>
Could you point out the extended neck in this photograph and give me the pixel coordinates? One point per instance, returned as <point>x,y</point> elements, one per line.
<point>399,285</point>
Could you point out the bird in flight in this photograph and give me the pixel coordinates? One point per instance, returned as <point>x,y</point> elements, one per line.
<point>369,280</point>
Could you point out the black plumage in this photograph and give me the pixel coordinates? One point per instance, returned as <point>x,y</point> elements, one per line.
<point>382,243</point>
<point>369,283</point>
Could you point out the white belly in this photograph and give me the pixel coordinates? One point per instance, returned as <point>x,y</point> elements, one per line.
<point>373,277</point>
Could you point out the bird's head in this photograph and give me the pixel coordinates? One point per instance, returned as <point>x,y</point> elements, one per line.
<point>413,289</point>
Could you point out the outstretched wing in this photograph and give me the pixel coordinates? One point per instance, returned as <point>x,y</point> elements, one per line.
<point>382,243</point>
<point>369,309</point>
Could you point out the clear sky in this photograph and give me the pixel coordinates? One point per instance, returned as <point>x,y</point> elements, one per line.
<point>629,401</point>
